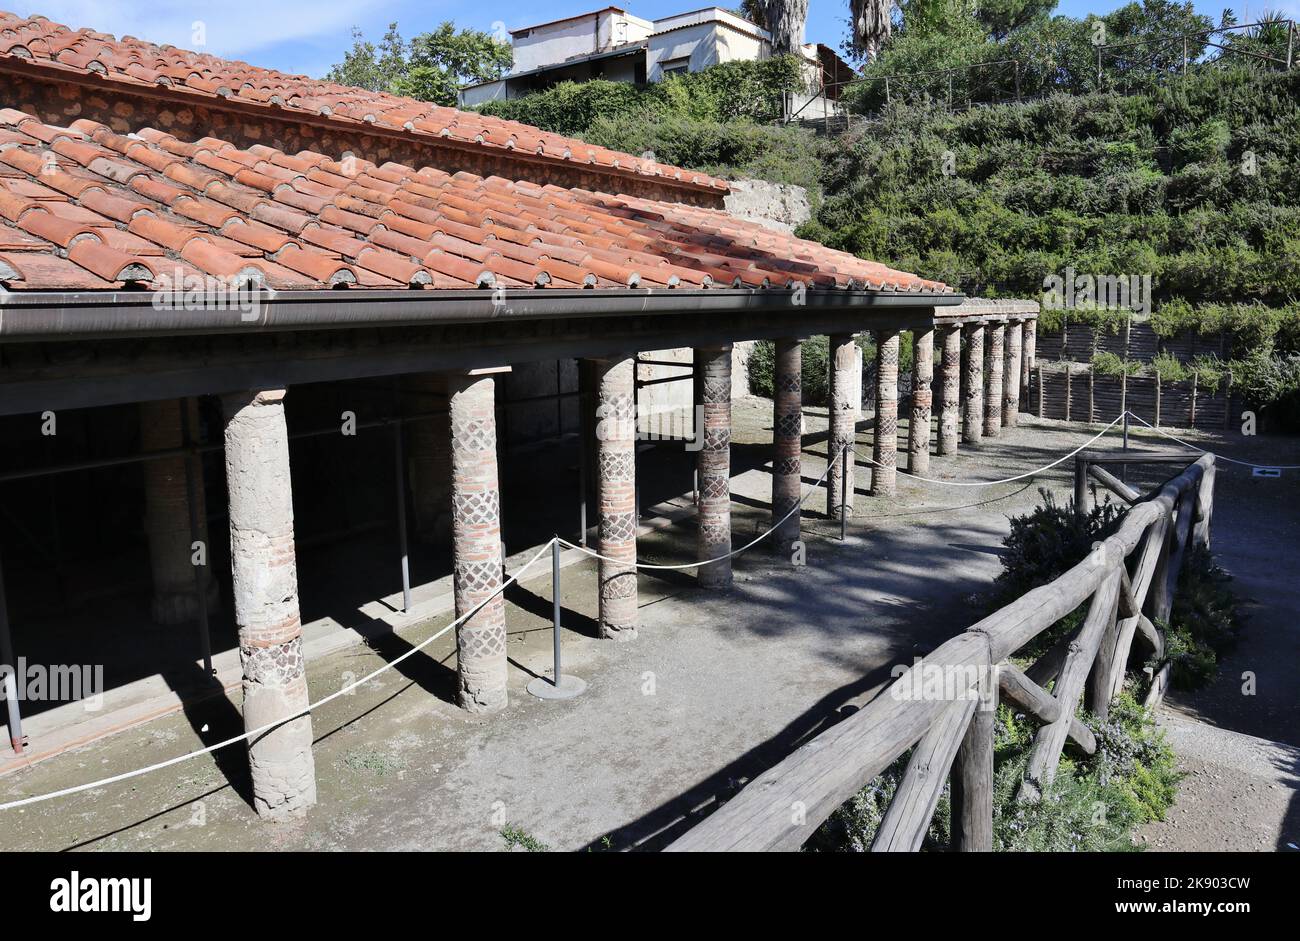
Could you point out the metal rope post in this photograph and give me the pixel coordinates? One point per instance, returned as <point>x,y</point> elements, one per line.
<point>11,679</point>
<point>558,686</point>
<point>399,474</point>
<point>1123,471</point>
<point>193,474</point>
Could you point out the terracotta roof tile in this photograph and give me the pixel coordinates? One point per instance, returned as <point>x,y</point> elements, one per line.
<point>137,64</point>
<point>80,228</point>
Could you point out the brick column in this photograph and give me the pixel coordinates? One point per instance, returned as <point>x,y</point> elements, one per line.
<point>476,544</point>
<point>884,450</point>
<point>428,449</point>
<point>918,426</point>
<point>995,361</point>
<point>1011,382</point>
<point>167,511</point>
<point>616,496</point>
<point>1028,356</point>
<point>950,381</point>
<point>714,533</point>
<point>265,585</point>
<point>843,426</point>
<point>787,443</point>
<point>973,419</point>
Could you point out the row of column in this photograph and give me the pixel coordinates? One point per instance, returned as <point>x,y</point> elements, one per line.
<point>979,394</point>
<point>261,509</point>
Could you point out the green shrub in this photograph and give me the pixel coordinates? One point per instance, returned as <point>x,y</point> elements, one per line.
<point>1169,367</point>
<point>1112,364</point>
<point>1272,385</point>
<point>1203,623</point>
<point>1092,805</point>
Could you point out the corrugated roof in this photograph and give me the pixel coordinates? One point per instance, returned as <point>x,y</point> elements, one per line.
<point>129,65</point>
<point>85,208</point>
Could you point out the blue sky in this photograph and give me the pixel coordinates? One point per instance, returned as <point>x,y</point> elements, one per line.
<point>307,36</point>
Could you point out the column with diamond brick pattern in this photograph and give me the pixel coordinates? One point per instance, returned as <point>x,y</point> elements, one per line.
<point>265,587</point>
<point>844,390</point>
<point>787,444</point>
<point>973,415</point>
<point>1011,381</point>
<point>616,490</point>
<point>476,544</point>
<point>713,539</point>
<point>994,364</point>
<point>950,386</point>
<point>884,449</point>
<point>918,426</point>
<point>1028,356</point>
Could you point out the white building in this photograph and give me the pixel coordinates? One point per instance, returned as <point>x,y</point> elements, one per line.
<point>617,46</point>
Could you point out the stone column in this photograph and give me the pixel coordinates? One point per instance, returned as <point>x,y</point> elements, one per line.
<point>428,449</point>
<point>265,584</point>
<point>167,511</point>
<point>994,364</point>
<point>918,426</point>
<point>973,420</point>
<point>1028,356</point>
<point>884,451</point>
<point>714,533</point>
<point>843,426</point>
<point>1011,382</point>
<point>616,496</point>
<point>787,443</point>
<point>476,543</point>
<point>950,379</point>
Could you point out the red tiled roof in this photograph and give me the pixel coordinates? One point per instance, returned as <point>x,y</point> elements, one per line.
<point>132,65</point>
<point>84,208</point>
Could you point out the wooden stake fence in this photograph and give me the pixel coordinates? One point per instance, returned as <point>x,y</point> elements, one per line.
<point>1127,581</point>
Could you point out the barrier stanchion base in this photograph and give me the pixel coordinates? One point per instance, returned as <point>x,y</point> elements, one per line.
<point>570,686</point>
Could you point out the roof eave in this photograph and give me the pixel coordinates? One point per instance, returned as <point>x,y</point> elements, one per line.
<point>80,315</point>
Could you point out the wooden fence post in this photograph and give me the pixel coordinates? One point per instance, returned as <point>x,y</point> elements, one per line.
<point>903,828</point>
<point>1192,417</point>
<point>1050,739</point>
<point>1040,393</point>
<point>972,777</point>
<point>1067,391</point>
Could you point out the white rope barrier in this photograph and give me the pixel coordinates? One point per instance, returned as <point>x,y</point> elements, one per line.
<point>158,766</point>
<point>1217,455</point>
<point>734,552</point>
<point>1005,480</point>
<point>306,710</point>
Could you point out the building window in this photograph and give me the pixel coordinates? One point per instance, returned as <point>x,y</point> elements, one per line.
<point>675,67</point>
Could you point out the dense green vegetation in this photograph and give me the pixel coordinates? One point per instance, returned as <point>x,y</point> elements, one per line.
<point>719,120</point>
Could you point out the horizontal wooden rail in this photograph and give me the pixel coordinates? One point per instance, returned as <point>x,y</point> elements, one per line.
<point>1129,573</point>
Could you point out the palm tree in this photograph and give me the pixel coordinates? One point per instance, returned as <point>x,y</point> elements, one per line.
<point>871,22</point>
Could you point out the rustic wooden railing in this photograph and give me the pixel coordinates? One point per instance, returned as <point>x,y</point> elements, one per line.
<point>1129,580</point>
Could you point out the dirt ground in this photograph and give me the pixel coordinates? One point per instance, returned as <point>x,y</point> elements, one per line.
<point>717,686</point>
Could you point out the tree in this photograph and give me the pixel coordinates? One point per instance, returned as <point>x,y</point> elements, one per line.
<point>870,22</point>
<point>1003,16</point>
<point>431,67</point>
<point>786,20</point>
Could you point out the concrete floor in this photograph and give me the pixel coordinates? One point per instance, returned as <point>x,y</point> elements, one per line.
<point>716,688</point>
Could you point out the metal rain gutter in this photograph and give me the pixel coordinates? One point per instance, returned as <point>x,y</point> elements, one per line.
<point>40,315</point>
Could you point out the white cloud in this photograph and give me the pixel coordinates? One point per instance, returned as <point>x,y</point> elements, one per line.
<point>233,28</point>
